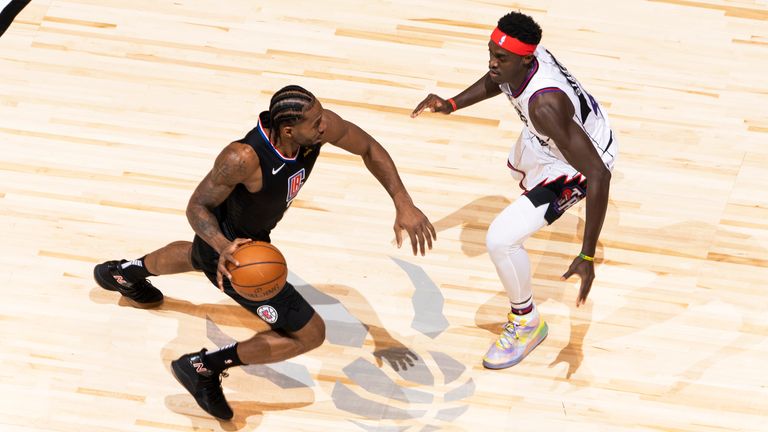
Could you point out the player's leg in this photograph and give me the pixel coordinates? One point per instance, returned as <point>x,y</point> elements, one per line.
<point>296,329</point>
<point>130,277</point>
<point>524,329</point>
<point>273,346</point>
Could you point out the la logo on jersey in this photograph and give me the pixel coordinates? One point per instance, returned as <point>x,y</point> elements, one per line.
<point>294,185</point>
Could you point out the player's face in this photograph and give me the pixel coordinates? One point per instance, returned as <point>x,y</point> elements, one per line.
<point>310,130</point>
<point>504,66</point>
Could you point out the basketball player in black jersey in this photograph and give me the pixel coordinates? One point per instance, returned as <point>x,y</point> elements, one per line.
<point>251,185</point>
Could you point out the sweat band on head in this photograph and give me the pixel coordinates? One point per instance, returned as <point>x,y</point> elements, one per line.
<point>512,44</point>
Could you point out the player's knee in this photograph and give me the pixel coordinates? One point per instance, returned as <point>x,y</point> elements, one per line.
<point>315,334</point>
<point>501,242</point>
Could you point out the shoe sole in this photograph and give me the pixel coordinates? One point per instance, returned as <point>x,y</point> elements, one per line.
<point>176,371</point>
<point>105,284</point>
<point>487,365</point>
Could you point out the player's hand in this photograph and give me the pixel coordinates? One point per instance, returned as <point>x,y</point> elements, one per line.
<point>586,271</point>
<point>419,228</point>
<point>433,103</point>
<point>226,256</point>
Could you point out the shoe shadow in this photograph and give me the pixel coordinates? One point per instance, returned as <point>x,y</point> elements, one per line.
<point>247,413</point>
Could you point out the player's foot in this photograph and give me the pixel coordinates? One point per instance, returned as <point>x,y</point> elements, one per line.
<point>518,338</point>
<point>140,294</point>
<point>203,383</point>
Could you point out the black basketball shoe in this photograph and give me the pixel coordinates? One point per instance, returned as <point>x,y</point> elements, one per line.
<point>140,294</point>
<point>203,383</point>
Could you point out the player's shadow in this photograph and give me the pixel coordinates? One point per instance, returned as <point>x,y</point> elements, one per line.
<point>474,220</point>
<point>279,391</point>
<point>475,217</point>
<point>243,390</point>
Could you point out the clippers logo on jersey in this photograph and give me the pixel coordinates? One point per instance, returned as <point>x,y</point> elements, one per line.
<point>294,185</point>
<point>570,196</point>
<point>267,313</point>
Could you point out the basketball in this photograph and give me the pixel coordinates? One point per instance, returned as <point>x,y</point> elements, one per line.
<point>262,271</point>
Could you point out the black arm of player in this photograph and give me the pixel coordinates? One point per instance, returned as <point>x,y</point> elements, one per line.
<point>481,90</point>
<point>350,137</point>
<point>553,115</point>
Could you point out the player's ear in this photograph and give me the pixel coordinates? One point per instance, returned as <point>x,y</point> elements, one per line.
<point>287,131</point>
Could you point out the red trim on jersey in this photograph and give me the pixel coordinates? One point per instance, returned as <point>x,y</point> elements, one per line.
<point>266,137</point>
<point>512,44</point>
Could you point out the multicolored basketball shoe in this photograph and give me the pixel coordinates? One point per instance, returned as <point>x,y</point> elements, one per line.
<point>518,338</point>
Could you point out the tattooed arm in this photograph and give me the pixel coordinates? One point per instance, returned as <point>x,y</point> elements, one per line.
<point>237,163</point>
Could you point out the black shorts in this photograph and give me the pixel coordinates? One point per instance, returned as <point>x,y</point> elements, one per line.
<point>559,195</point>
<point>288,310</point>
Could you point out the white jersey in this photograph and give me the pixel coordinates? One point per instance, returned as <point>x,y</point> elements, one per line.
<point>536,158</point>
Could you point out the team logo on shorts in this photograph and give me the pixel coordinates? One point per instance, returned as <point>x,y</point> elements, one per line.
<point>267,313</point>
<point>570,196</point>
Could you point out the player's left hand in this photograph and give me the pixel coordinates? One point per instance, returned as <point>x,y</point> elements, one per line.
<point>419,228</point>
<point>586,271</point>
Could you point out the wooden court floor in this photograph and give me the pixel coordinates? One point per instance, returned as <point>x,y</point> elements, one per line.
<point>111,111</point>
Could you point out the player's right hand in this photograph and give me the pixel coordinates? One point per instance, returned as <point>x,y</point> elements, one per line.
<point>433,103</point>
<point>226,256</point>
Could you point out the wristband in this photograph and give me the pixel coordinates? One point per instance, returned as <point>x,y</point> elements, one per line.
<point>453,104</point>
<point>586,257</point>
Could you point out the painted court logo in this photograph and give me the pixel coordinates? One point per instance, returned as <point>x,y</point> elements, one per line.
<point>267,313</point>
<point>427,395</point>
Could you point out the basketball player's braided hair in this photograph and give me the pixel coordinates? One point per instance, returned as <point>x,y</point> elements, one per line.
<point>288,106</point>
<point>520,26</point>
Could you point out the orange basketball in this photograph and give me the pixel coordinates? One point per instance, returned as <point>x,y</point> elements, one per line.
<point>262,271</point>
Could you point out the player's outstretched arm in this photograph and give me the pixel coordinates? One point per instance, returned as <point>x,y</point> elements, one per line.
<point>552,114</point>
<point>350,137</point>
<point>233,165</point>
<point>481,90</point>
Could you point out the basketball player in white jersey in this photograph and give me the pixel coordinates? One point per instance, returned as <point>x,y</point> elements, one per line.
<point>565,153</point>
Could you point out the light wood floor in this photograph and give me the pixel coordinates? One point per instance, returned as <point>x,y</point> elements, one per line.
<point>112,110</point>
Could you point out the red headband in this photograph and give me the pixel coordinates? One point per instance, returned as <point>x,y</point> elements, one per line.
<point>511,44</point>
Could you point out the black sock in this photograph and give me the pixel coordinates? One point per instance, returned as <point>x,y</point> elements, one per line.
<point>223,358</point>
<point>134,270</point>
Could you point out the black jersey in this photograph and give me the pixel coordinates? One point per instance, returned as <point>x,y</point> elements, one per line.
<point>253,215</point>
